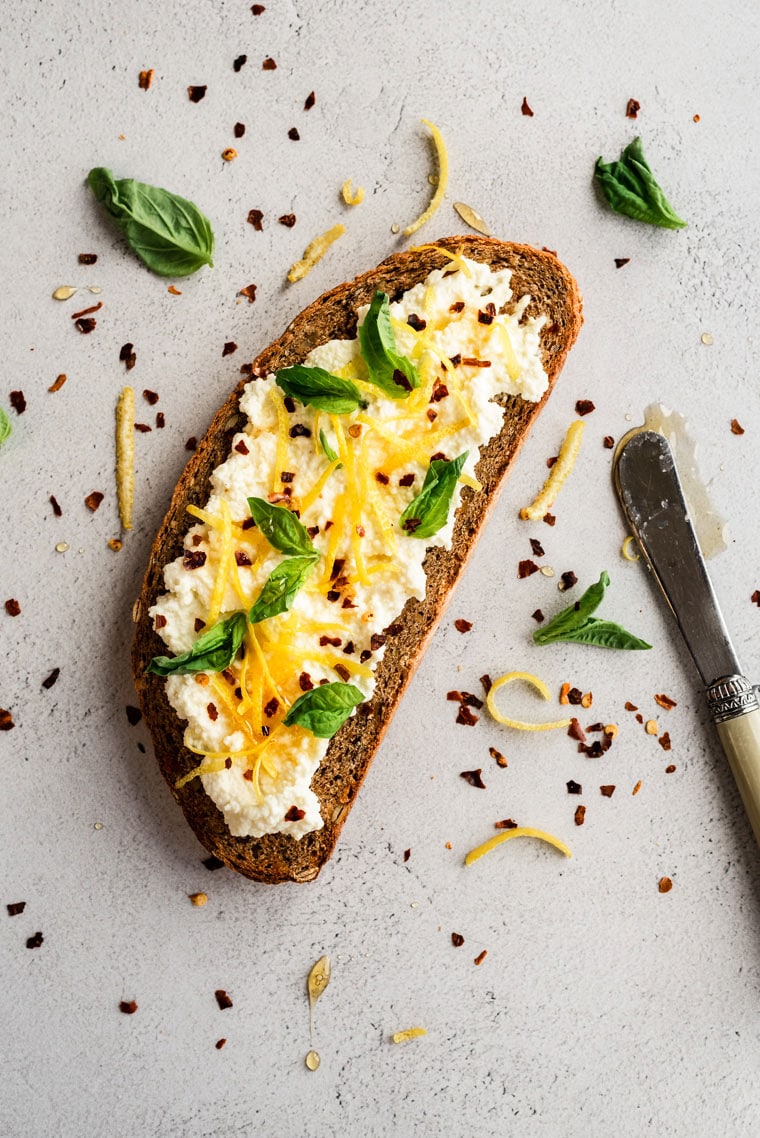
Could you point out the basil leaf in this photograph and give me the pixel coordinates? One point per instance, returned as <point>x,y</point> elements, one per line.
<point>604,634</point>
<point>5,426</point>
<point>213,651</point>
<point>394,374</point>
<point>320,389</point>
<point>575,615</point>
<point>631,188</point>
<point>167,232</point>
<point>281,528</point>
<point>330,453</point>
<point>324,709</point>
<point>281,586</point>
<point>429,511</point>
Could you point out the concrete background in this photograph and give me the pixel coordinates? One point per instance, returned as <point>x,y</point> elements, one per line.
<point>603,1007</point>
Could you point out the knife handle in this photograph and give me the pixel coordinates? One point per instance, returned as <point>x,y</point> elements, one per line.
<point>741,742</point>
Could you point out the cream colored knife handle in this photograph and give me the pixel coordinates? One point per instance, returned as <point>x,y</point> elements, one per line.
<point>735,711</point>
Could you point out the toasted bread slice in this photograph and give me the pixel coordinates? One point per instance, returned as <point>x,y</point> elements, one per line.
<point>280,857</point>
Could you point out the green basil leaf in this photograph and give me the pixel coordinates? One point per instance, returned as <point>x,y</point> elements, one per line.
<point>394,374</point>
<point>631,188</point>
<point>429,511</point>
<point>604,634</point>
<point>324,709</point>
<point>320,389</point>
<point>213,651</point>
<point>5,426</point>
<point>167,232</point>
<point>574,615</point>
<point>329,452</point>
<point>281,528</point>
<point>281,586</point>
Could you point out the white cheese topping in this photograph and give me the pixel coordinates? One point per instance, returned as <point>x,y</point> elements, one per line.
<point>368,566</point>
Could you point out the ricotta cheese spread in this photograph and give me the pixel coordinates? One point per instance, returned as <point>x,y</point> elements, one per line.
<point>470,341</point>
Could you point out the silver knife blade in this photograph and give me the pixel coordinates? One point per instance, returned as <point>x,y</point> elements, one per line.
<point>653,500</point>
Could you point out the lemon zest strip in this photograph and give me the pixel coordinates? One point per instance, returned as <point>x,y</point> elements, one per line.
<point>519,832</point>
<point>443,177</point>
<point>540,687</point>
<point>626,549</point>
<point>314,252</point>
<point>559,472</point>
<point>355,198</point>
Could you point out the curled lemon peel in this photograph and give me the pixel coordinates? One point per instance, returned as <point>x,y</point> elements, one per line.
<point>125,455</point>
<point>314,252</point>
<point>518,724</point>
<point>410,1033</point>
<point>626,549</point>
<point>443,177</point>
<point>355,198</point>
<point>519,832</point>
<point>559,473</point>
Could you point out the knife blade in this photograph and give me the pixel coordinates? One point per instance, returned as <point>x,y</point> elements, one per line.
<point>652,498</point>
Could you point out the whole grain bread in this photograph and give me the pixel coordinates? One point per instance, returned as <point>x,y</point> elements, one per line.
<point>278,857</point>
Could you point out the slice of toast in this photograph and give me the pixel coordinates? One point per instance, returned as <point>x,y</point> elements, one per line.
<point>280,857</point>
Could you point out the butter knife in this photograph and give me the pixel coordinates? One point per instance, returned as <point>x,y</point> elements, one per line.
<point>653,500</point>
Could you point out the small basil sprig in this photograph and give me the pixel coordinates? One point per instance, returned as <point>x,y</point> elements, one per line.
<point>576,624</point>
<point>5,426</point>
<point>324,709</point>
<point>168,233</point>
<point>213,651</point>
<point>319,388</point>
<point>281,528</point>
<point>631,188</point>
<point>429,511</point>
<point>280,588</point>
<point>394,374</point>
<point>329,452</point>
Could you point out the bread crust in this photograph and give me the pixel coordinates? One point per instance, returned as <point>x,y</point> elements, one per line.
<point>280,857</point>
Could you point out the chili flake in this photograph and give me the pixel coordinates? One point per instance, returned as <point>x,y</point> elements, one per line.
<point>249,292</point>
<point>17,402</point>
<point>145,79</point>
<point>35,941</point>
<point>257,9</point>
<point>474,778</point>
<point>93,500</point>
<point>462,625</point>
<point>584,407</point>
<point>607,791</point>
<point>526,568</point>
<point>6,720</point>
<point>288,220</point>
<point>255,218</point>
<point>191,443</point>
<point>574,787</point>
<point>268,64</point>
<point>457,940</point>
<point>620,261</point>
<point>505,824</point>
<point>465,716</point>
<point>632,109</point>
<point>497,755</point>
<point>481,956</point>
<point>222,999</point>
<point>608,442</point>
<point>48,682</point>
<point>736,427</point>
<point>239,129</point>
<point>86,325</point>
<point>87,258</point>
<point>12,607</point>
<point>526,109</point>
<point>295,814</point>
<point>309,101</point>
<point>755,598</point>
<point>567,580</point>
<point>664,885</point>
<point>16,908</point>
<point>229,347</point>
<point>128,1007</point>
<point>195,94</point>
<point>239,62</point>
<point>580,815</point>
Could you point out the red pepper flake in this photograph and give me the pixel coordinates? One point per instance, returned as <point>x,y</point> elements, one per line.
<point>249,292</point>
<point>87,258</point>
<point>664,741</point>
<point>620,261</point>
<point>86,326</point>
<point>50,680</point>
<point>343,671</point>
<point>471,700</point>
<point>383,479</point>
<point>150,396</point>
<point>487,682</point>
<point>193,558</point>
<point>93,500</point>
<point>406,480</point>
<point>271,707</point>
<point>755,598</point>
<point>473,777</point>
<point>242,559</point>
<point>580,815</point>
<point>257,9</point>
<point>134,715</point>
<point>268,64</point>
<point>664,885</point>
<point>462,625</point>
<point>229,348</point>
<point>295,814</point>
<point>220,1044</point>
<point>550,519</point>
<point>239,129</point>
<point>505,824</point>
<point>293,134</point>
<point>471,361</point>
<point>222,999</point>
<point>255,218</point>
<point>159,621</point>
<point>632,109</point>
<point>630,706</point>
<point>575,731</point>
<point>160,420</point>
<point>290,408</point>
<point>416,322</point>
<point>87,311</point>
<point>607,791</point>
<point>665,701</point>
<point>608,442</point>
<point>584,407</point>
<point>145,79</point>
<point>457,940</point>
<point>174,290</point>
<point>377,640</point>
<point>439,455</point>
<point>670,768</point>
<point>574,787</point>
<point>239,62</point>
<point>309,101</point>
<point>36,941</point>
<point>18,402</point>
<point>59,382</point>
<point>440,391</point>
<point>526,569</point>
<point>639,718</point>
<point>16,908</point>
<point>526,109</point>
<point>481,957</point>
<point>537,547</point>
<point>567,581</point>
<point>305,682</point>
<point>465,717</point>
<point>195,94</point>
<point>334,641</point>
<point>736,427</point>
<point>191,443</point>
<point>538,616</point>
<point>551,460</point>
<point>457,306</point>
<point>12,607</point>
<point>212,712</point>
<point>144,428</point>
<point>6,720</point>
<point>574,696</point>
<point>431,414</point>
<point>128,1007</point>
<point>486,315</point>
<point>497,755</point>
<point>288,220</point>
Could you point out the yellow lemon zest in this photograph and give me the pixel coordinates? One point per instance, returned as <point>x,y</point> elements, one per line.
<point>558,475</point>
<point>540,687</point>
<point>519,832</point>
<point>443,177</point>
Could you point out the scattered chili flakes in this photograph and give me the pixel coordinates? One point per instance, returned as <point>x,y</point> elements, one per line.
<point>222,999</point>
<point>567,581</point>
<point>580,815</point>
<point>145,78</point>
<point>257,9</point>
<point>17,402</point>
<point>249,292</point>
<point>87,311</point>
<point>664,741</point>
<point>474,778</point>
<point>538,616</point>
<point>150,396</point>
<point>128,1007</point>
<point>16,908</point>
<point>239,62</point>
<point>574,787</point>
<point>665,701</point>
<point>574,696</point>
<point>309,101</point>
<point>575,731</point>
<point>664,885</point>
<point>195,94</point>
<point>57,511</point>
<point>607,791</point>
<point>587,699</point>
<point>229,347</point>
<point>134,715</point>
<point>6,720</point>
<point>620,261</point>
<point>462,625</point>
<point>295,814</point>
<point>87,258</point>
<point>755,598</point>
<point>143,428</point>
<point>637,787</point>
<point>632,109</point>
<point>229,154</point>
<point>407,854</point>
<point>12,607</point>
<point>191,443</point>
<point>525,108</point>
<point>93,500</point>
<point>59,382</point>
<point>564,694</point>
<point>288,220</point>
<point>269,64</point>
<point>736,427</point>
<point>238,129</point>
<point>457,940</point>
<point>50,680</point>
<point>630,706</point>
<point>465,716</point>
<point>550,519</point>
<point>639,717</point>
<point>537,547</point>
<point>293,134</point>
<point>584,407</point>
<point>221,1042</point>
<point>487,682</point>
<point>498,757</point>
<point>174,291</point>
<point>526,569</point>
<point>256,218</point>
<point>481,956</point>
<point>86,325</point>
<point>608,442</point>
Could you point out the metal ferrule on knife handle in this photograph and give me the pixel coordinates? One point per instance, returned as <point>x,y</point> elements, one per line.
<point>729,697</point>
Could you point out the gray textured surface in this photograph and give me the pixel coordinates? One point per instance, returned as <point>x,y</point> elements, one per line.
<point>602,1007</point>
